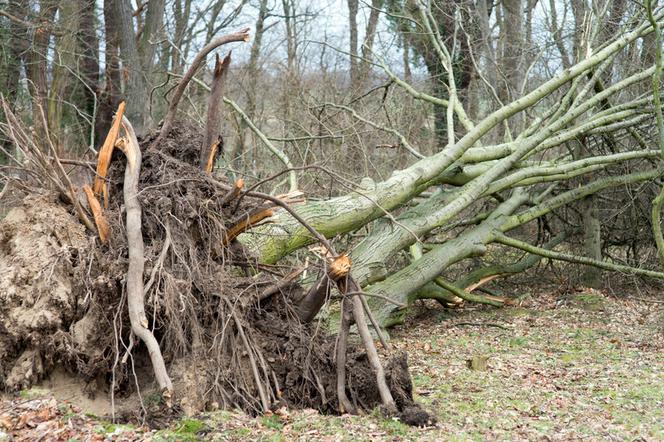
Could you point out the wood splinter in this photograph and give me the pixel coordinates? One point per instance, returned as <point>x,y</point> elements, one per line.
<point>315,298</point>
<point>213,142</point>
<point>340,267</point>
<point>100,220</point>
<point>217,146</point>
<point>245,224</point>
<point>234,192</point>
<point>105,154</point>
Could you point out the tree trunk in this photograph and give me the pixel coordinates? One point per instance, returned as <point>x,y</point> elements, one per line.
<point>89,60</point>
<point>353,8</point>
<point>511,32</point>
<point>111,96</point>
<point>136,92</point>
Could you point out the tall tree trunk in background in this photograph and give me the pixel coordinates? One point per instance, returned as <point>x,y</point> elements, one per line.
<point>592,240</point>
<point>254,55</point>
<point>511,32</point>
<point>181,12</point>
<point>592,235</point>
<point>483,13</point>
<point>10,67</point>
<point>111,96</point>
<point>610,27</point>
<point>35,61</point>
<point>252,85</point>
<point>407,74</point>
<point>529,54</point>
<point>150,35</point>
<point>353,7</point>
<point>290,21</point>
<point>445,14</point>
<point>369,38</point>
<point>136,92</point>
<point>64,60</point>
<point>90,59</point>
<point>557,35</point>
<point>580,12</point>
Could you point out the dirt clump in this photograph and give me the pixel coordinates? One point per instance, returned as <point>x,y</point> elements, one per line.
<point>44,253</point>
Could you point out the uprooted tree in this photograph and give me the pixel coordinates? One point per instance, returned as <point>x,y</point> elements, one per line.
<point>161,252</point>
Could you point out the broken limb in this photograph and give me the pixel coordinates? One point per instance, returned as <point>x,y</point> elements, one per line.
<point>345,406</point>
<point>233,193</point>
<point>246,223</point>
<point>213,141</point>
<point>105,153</point>
<point>100,219</point>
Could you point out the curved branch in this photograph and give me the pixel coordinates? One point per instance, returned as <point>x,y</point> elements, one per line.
<point>179,91</point>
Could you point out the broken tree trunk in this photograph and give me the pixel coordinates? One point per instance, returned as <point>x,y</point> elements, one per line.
<point>105,153</point>
<point>213,141</point>
<point>318,294</point>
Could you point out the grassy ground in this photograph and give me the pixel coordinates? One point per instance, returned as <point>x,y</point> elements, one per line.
<point>579,366</point>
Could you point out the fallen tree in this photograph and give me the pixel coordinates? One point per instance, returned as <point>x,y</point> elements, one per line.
<point>252,333</point>
<point>535,169</point>
<point>195,270</point>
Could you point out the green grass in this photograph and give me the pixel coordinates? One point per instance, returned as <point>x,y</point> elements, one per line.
<point>185,430</point>
<point>558,371</point>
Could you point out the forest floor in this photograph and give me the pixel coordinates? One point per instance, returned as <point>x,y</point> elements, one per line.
<point>581,365</point>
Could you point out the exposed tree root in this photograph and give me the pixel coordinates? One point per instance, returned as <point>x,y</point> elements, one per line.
<point>345,406</point>
<point>135,293</point>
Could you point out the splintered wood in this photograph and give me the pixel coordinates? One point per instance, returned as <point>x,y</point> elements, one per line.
<point>105,153</point>
<point>100,219</point>
<point>234,192</point>
<point>213,153</point>
<point>340,267</point>
<point>246,223</point>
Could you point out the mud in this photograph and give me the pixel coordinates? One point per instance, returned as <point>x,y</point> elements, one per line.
<point>63,304</point>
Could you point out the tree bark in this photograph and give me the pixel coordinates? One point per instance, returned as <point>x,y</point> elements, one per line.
<point>353,8</point>
<point>136,92</point>
<point>213,125</point>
